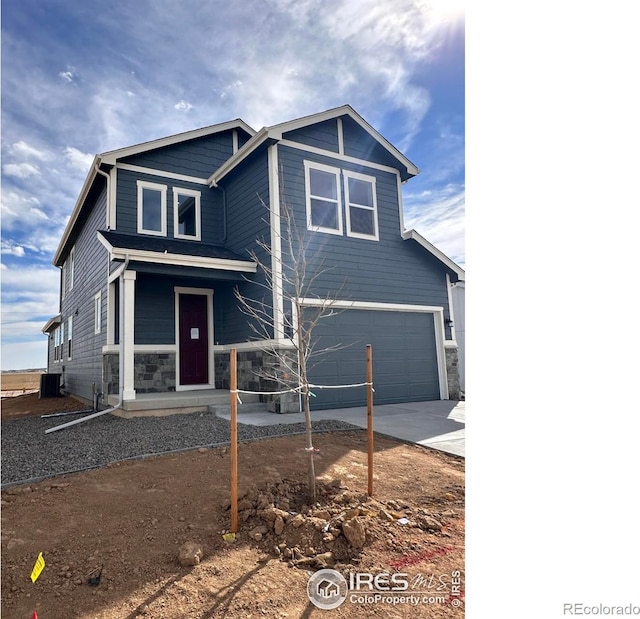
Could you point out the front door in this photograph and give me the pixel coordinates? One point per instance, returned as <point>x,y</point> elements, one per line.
<point>194,340</point>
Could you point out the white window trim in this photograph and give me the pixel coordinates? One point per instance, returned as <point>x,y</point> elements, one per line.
<point>186,192</point>
<point>312,165</point>
<point>368,179</point>
<point>142,185</point>
<point>72,256</point>
<point>63,285</point>
<point>69,338</point>
<point>97,312</point>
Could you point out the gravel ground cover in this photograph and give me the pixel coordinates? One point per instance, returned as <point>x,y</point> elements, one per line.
<point>28,454</point>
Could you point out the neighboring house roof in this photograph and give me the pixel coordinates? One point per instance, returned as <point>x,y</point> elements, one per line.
<point>274,133</point>
<point>418,238</point>
<point>110,158</point>
<point>168,251</point>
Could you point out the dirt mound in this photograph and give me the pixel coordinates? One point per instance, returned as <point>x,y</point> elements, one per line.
<point>335,530</point>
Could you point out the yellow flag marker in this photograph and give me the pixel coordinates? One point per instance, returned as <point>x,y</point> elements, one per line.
<point>37,568</point>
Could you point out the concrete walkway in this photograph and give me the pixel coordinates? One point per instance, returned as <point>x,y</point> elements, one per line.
<point>438,424</point>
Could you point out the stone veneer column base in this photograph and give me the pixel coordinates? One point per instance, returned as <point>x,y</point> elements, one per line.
<point>153,373</point>
<point>453,374</point>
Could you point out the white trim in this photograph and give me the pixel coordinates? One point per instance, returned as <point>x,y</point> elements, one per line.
<point>63,280</point>
<point>52,321</point>
<point>194,194</point>
<point>347,174</point>
<point>111,207</point>
<point>312,165</point>
<point>163,173</point>
<point>139,255</point>
<point>416,236</point>
<point>110,157</point>
<point>276,242</point>
<point>340,136</point>
<point>116,272</point>
<point>234,141</point>
<point>255,345</point>
<point>127,363</point>
<point>142,185</point>
<point>237,157</point>
<point>97,312</point>
<point>141,348</point>
<point>400,202</point>
<point>208,292</point>
<point>112,312</point>
<point>438,325</point>
<point>338,156</point>
<point>452,327</point>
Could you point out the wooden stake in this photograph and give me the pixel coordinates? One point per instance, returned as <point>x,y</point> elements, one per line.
<point>234,441</point>
<point>370,418</point>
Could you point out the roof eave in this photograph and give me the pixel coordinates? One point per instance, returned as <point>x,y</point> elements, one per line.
<point>56,320</point>
<point>91,176</point>
<point>450,264</point>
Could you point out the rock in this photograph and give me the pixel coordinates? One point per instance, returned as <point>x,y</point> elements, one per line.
<point>297,521</point>
<point>271,513</point>
<point>428,523</point>
<point>287,553</point>
<point>257,532</point>
<point>189,553</point>
<point>351,513</point>
<point>278,525</point>
<point>385,515</point>
<point>326,559</point>
<point>354,532</point>
<point>202,450</point>
<point>393,505</point>
<point>322,513</point>
<point>78,581</point>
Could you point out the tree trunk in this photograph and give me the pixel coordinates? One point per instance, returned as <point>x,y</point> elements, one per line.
<point>312,472</point>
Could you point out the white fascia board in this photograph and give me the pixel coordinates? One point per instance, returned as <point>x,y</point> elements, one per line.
<point>416,236</point>
<point>369,305</point>
<point>202,262</point>
<point>76,209</point>
<point>254,143</point>
<point>56,320</point>
<point>276,131</point>
<point>112,156</point>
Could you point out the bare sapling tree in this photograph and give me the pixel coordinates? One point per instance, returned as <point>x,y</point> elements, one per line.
<point>293,273</point>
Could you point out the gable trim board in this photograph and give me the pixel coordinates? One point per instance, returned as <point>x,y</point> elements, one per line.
<point>276,243</point>
<point>438,323</point>
<point>416,236</point>
<point>153,172</point>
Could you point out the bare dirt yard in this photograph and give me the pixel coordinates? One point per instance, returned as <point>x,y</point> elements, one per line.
<point>131,519</point>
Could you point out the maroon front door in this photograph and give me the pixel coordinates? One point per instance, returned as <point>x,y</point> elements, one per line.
<point>194,340</point>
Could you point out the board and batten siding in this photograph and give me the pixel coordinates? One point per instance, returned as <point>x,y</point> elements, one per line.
<point>211,205</point>
<point>91,266</point>
<point>247,200</point>
<point>390,270</point>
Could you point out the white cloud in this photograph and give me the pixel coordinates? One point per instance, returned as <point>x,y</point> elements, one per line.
<point>36,212</point>
<point>11,248</point>
<point>77,159</point>
<point>23,149</point>
<point>21,170</point>
<point>69,75</point>
<point>183,106</point>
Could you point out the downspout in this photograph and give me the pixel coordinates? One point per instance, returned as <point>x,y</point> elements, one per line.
<point>120,361</point>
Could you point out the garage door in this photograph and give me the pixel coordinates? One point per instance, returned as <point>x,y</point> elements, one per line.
<point>405,366</point>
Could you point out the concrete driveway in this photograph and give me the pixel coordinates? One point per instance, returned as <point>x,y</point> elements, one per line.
<point>438,424</point>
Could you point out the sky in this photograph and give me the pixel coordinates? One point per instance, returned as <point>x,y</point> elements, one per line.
<point>81,78</point>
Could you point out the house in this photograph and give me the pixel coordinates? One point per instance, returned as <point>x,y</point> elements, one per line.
<point>161,235</point>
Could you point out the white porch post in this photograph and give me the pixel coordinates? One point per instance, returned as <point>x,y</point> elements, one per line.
<point>128,390</point>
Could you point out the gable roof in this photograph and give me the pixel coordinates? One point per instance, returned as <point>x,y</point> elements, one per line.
<point>109,158</point>
<point>275,132</point>
<point>432,249</point>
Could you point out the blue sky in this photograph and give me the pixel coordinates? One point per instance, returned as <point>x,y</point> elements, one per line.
<point>80,78</point>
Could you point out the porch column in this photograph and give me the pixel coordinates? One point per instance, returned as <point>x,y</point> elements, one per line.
<point>127,333</point>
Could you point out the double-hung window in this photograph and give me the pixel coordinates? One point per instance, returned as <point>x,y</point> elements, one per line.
<point>361,211</point>
<point>70,334</point>
<point>324,205</point>
<point>152,208</point>
<point>186,214</point>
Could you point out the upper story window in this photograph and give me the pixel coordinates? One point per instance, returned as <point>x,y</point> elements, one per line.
<point>361,205</point>
<point>324,208</point>
<point>152,208</point>
<point>186,214</point>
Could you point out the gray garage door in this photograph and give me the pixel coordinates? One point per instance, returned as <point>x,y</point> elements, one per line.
<point>404,358</point>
